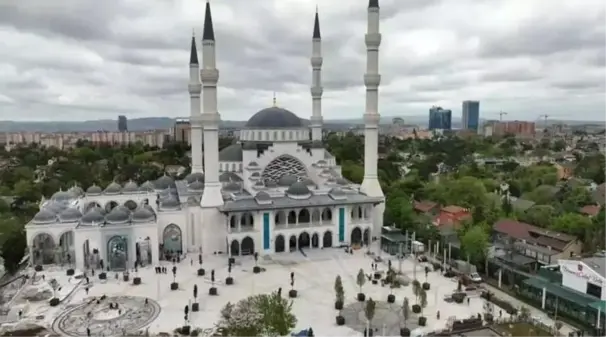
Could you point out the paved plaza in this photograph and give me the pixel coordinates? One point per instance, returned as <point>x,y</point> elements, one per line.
<point>314,279</point>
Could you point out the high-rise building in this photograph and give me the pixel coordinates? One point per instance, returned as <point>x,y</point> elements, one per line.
<point>440,119</point>
<point>181,131</point>
<point>122,124</point>
<point>471,115</point>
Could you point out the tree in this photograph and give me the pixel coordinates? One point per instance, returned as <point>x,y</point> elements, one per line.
<point>195,292</point>
<point>416,287</point>
<point>12,249</point>
<point>339,292</point>
<point>405,311</point>
<point>422,299</point>
<point>361,279</point>
<point>474,243</point>
<point>369,311</point>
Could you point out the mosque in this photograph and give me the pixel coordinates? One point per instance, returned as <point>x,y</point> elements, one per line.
<point>276,190</point>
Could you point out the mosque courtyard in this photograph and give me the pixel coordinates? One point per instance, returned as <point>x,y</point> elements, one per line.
<point>163,311</point>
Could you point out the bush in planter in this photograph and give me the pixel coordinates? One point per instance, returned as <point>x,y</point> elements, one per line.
<point>488,318</point>
<point>213,291</point>
<point>201,272</point>
<point>54,302</point>
<point>185,330</point>
<point>340,320</point>
<point>458,297</point>
<point>375,282</point>
<point>426,286</point>
<point>174,286</point>
<point>416,308</point>
<point>256,269</point>
<point>195,307</point>
<point>377,276</point>
<point>404,332</point>
<point>391,298</point>
<point>70,272</point>
<point>292,293</point>
<point>422,321</point>
<point>125,278</point>
<point>339,293</point>
<point>229,280</point>
<point>38,267</point>
<point>338,305</point>
<point>136,281</point>
<point>395,284</point>
<point>102,276</point>
<point>361,297</point>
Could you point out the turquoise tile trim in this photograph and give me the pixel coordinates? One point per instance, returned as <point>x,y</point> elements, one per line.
<point>266,233</point>
<point>341,224</point>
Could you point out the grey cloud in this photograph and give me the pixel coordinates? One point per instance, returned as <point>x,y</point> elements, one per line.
<point>510,75</point>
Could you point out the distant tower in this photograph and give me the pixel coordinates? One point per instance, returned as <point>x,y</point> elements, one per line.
<point>122,124</point>
<point>210,117</point>
<point>372,79</point>
<point>195,87</point>
<point>316,81</point>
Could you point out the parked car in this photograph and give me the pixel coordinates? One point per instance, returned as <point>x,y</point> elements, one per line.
<point>475,278</point>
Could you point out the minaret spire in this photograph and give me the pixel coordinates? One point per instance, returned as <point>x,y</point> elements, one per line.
<point>209,32</point>
<point>194,88</point>
<point>372,79</point>
<point>316,81</point>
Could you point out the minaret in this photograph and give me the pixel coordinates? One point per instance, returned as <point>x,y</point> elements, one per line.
<point>372,79</point>
<point>195,87</point>
<point>316,81</point>
<point>210,116</point>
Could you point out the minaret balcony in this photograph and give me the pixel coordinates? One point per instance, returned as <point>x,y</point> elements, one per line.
<point>372,119</point>
<point>373,40</point>
<point>372,81</point>
<point>316,92</point>
<point>209,76</point>
<point>194,88</point>
<point>316,62</point>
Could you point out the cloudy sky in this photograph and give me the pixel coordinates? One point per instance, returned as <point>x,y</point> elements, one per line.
<point>85,59</point>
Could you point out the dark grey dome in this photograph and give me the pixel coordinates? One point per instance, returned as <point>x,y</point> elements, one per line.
<point>255,174</point>
<point>94,190</point>
<point>253,164</point>
<point>271,183</point>
<point>287,180</point>
<point>170,202</point>
<point>147,186</point>
<point>92,216</point>
<point>197,176</point>
<point>164,182</point>
<point>122,208</point>
<point>263,196</point>
<point>44,216</point>
<point>298,189</point>
<point>342,181</point>
<point>259,184</point>
<point>113,188</point>
<point>331,180</point>
<point>55,206</point>
<point>249,146</point>
<point>76,191</point>
<point>325,171</point>
<point>227,177</point>
<point>142,215</point>
<point>63,196</point>
<point>231,187</point>
<point>321,162</point>
<point>273,118</point>
<point>130,187</point>
<point>308,182</point>
<point>117,215</point>
<point>196,186</point>
<point>231,153</point>
<point>70,214</point>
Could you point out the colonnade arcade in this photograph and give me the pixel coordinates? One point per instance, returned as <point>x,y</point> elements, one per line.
<point>308,216</point>
<point>45,249</point>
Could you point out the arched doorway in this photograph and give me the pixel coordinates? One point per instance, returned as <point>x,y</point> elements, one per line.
<point>367,237</point>
<point>66,245</point>
<point>143,252</point>
<point>110,205</point>
<point>117,252</point>
<point>279,243</point>
<point>44,249</point>
<point>303,240</point>
<point>356,236</point>
<point>292,243</point>
<point>234,249</point>
<point>131,205</point>
<point>248,246</point>
<point>172,239</point>
<point>315,240</point>
<point>327,239</point>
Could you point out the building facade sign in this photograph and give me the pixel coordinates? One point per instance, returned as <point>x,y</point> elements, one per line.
<point>588,275</point>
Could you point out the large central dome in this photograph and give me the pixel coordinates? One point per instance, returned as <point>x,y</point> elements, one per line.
<point>274,118</point>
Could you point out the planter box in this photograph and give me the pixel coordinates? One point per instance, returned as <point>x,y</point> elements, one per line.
<point>185,330</point>
<point>340,320</point>
<point>422,321</point>
<point>404,332</point>
<point>201,272</point>
<point>391,298</point>
<point>361,297</point>
<point>377,276</point>
<point>54,302</point>
<point>375,282</point>
<point>292,293</point>
<point>174,286</point>
<point>125,278</point>
<point>137,281</point>
<point>338,305</point>
<point>256,269</point>
<point>195,307</point>
<point>38,268</point>
<point>70,272</point>
<point>213,291</point>
<point>426,286</point>
<point>229,280</point>
<point>416,308</point>
<point>102,276</point>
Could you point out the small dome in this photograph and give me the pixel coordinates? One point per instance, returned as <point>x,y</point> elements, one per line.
<point>130,187</point>
<point>92,216</point>
<point>263,196</point>
<point>231,187</point>
<point>117,215</point>
<point>321,162</point>
<point>274,117</point>
<point>253,164</point>
<point>331,180</point>
<point>147,186</point>
<point>45,216</point>
<point>70,214</point>
<point>76,191</point>
<point>164,182</point>
<point>193,201</point>
<point>298,189</point>
<point>231,153</point>
<point>170,203</point>
<point>94,189</point>
<point>63,196</point>
<point>55,206</point>
<point>259,184</point>
<point>287,180</point>
<point>325,172</point>
<point>342,181</point>
<point>227,177</point>
<point>196,186</point>
<point>271,184</point>
<point>192,177</point>
<point>123,208</point>
<point>142,215</point>
<point>308,182</point>
<point>255,174</point>
<point>113,188</point>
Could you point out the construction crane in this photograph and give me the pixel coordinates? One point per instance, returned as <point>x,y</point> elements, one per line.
<point>501,115</point>
<point>544,120</point>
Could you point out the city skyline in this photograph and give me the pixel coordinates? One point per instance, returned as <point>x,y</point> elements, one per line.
<point>137,65</point>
